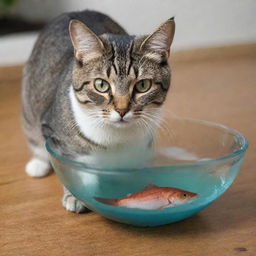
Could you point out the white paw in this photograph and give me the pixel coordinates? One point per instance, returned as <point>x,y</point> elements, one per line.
<point>70,203</point>
<point>37,168</point>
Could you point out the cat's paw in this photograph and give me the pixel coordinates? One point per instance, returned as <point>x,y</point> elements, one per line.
<point>38,168</point>
<point>70,203</point>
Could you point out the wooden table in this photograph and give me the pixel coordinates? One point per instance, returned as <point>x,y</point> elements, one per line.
<point>33,222</point>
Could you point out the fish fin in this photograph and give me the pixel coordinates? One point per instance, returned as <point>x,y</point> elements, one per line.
<point>165,206</point>
<point>106,200</point>
<point>151,186</point>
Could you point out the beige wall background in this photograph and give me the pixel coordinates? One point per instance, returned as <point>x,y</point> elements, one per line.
<point>200,23</point>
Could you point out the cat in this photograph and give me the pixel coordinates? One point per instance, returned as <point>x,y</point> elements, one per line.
<point>93,89</point>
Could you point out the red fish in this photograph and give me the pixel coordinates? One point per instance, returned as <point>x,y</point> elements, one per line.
<point>152,197</point>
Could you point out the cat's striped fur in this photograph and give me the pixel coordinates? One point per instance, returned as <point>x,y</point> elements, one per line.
<point>59,99</point>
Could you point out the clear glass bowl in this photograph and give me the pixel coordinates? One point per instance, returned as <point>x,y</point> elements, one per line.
<point>193,155</point>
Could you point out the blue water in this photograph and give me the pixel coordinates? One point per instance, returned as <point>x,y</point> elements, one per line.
<point>209,183</point>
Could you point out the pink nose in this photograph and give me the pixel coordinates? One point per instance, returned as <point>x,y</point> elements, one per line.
<point>122,111</point>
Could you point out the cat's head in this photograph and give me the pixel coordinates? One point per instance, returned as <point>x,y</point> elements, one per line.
<point>121,81</point>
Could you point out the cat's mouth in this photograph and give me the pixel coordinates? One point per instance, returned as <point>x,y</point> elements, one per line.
<point>121,123</point>
<point>120,120</point>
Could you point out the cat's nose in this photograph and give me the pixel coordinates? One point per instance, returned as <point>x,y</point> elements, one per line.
<point>122,111</point>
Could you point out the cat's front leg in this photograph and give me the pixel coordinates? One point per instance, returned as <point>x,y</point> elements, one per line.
<point>70,203</point>
<point>39,165</point>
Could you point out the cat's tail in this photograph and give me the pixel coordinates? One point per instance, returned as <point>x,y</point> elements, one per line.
<point>108,201</point>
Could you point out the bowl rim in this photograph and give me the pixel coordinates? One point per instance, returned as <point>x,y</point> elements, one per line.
<point>91,169</point>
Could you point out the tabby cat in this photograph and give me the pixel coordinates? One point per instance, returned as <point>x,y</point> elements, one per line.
<point>94,90</point>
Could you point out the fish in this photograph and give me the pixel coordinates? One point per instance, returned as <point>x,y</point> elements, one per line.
<point>152,197</point>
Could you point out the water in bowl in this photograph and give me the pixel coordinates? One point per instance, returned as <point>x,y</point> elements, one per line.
<point>209,182</point>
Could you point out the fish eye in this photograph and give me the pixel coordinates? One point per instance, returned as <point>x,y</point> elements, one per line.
<point>143,85</point>
<point>184,195</point>
<point>101,85</point>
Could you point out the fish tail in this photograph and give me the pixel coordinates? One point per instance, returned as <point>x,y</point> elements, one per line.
<point>106,200</point>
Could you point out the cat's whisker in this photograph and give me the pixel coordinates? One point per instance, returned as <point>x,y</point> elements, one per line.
<point>153,133</point>
<point>166,124</point>
<point>160,125</point>
<point>166,128</point>
<point>158,117</point>
<point>147,127</point>
<point>161,120</point>
<point>152,121</point>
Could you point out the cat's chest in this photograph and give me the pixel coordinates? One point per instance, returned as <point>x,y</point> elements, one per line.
<point>130,156</point>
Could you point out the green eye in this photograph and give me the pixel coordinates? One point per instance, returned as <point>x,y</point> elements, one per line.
<point>143,85</point>
<point>101,85</point>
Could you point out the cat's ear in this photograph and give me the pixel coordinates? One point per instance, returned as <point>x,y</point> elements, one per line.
<point>87,45</point>
<point>160,41</point>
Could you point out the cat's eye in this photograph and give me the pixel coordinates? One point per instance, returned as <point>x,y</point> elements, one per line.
<point>143,85</point>
<point>101,85</point>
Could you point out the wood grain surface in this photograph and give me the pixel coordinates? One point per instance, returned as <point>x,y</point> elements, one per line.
<point>33,222</point>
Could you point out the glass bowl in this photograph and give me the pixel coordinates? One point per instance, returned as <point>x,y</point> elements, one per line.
<point>194,155</point>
